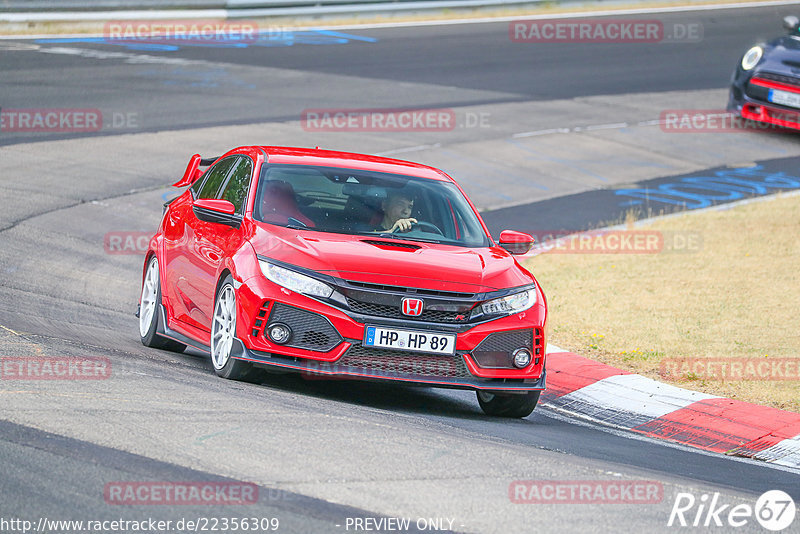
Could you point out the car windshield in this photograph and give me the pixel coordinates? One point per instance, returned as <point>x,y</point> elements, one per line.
<point>350,201</point>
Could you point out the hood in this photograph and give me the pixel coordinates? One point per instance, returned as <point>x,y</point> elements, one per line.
<point>782,55</point>
<point>372,259</point>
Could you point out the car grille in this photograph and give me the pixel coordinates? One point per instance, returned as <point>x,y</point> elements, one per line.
<point>415,291</point>
<point>383,362</point>
<point>759,92</point>
<point>393,312</point>
<point>258,322</point>
<point>497,349</point>
<point>310,330</point>
<point>780,78</point>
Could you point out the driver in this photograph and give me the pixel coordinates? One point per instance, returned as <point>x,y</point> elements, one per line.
<point>397,209</point>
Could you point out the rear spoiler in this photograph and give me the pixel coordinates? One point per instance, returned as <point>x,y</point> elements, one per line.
<point>193,172</point>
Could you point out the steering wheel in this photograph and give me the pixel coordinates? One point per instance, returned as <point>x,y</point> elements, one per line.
<point>426,226</point>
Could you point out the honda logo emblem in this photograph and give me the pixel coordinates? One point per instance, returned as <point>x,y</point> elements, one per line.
<point>412,307</point>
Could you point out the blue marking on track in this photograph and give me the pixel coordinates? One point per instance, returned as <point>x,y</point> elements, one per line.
<point>696,192</point>
<point>268,38</point>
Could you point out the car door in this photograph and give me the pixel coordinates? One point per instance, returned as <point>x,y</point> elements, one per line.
<point>187,258</point>
<point>216,241</point>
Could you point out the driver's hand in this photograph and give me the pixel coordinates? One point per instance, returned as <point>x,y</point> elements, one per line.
<point>403,225</point>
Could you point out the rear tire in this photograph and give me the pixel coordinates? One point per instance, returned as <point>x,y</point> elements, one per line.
<point>499,405</point>
<point>223,332</point>
<point>150,311</point>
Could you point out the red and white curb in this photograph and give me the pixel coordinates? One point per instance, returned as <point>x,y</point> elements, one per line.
<point>598,392</point>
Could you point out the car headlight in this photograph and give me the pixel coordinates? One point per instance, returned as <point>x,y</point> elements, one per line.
<point>752,57</point>
<point>295,281</point>
<point>511,304</point>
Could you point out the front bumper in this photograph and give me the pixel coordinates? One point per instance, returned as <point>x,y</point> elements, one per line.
<point>780,117</point>
<point>327,341</point>
<point>749,97</point>
<point>419,370</point>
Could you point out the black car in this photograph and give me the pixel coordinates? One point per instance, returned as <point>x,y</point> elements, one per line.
<point>766,83</point>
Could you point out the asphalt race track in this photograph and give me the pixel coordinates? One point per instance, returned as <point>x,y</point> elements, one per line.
<point>545,137</point>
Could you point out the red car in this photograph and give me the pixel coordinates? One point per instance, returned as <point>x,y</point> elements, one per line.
<point>344,265</point>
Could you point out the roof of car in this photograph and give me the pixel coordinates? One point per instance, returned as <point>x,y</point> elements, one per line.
<point>332,158</point>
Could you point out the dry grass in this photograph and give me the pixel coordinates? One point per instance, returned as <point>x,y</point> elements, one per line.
<point>738,296</point>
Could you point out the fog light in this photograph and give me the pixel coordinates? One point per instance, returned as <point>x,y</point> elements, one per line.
<point>522,358</point>
<point>279,333</point>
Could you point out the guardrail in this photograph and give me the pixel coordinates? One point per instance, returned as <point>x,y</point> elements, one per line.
<point>10,6</point>
<point>22,11</point>
<point>105,5</point>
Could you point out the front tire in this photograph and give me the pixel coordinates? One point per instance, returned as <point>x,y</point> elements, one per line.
<point>499,405</point>
<point>223,333</point>
<point>149,311</point>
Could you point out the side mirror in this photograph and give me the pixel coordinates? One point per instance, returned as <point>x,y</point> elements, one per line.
<point>791,23</point>
<point>516,242</point>
<point>216,211</point>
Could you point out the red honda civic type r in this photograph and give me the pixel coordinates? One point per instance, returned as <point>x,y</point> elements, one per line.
<point>344,265</point>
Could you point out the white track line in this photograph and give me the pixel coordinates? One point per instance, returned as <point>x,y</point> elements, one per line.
<point>618,395</point>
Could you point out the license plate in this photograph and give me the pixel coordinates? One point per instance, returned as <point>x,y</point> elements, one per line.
<point>412,340</point>
<point>784,98</point>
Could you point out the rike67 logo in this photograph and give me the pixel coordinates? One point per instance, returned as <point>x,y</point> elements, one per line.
<point>774,510</point>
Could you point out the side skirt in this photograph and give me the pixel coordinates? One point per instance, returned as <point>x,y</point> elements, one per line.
<point>165,331</point>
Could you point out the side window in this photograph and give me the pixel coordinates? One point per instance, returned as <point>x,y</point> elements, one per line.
<point>238,184</point>
<point>195,188</point>
<point>214,178</point>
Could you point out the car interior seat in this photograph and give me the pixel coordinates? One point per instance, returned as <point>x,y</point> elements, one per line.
<point>358,211</point>
<point>279,204</point>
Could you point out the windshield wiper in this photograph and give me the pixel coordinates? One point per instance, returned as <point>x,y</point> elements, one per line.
<point>390,235</point>
<point>295,224</point>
